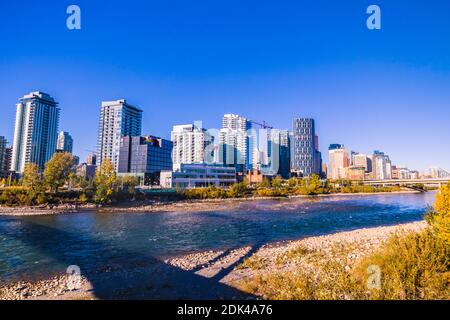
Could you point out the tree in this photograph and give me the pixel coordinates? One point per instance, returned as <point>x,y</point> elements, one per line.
<point>32,180</point>
<point>238,190</point>
<point>105,182</point>
<point>277,182</point>
<point>57,170</point>
<point>439,216</point>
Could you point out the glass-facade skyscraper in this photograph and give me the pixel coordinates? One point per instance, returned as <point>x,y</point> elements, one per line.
<point>36,130</point>
<point>65,142</point>
<point>145,157</point>
<point>306,158</point>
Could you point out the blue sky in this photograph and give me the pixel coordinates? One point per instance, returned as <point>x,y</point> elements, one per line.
<point>182,61</point>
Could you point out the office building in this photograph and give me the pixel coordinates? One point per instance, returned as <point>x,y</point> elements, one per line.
<point>438,173</point>
<point>362,160</point>
<point>36,130</point>
<point>278,153</point>
<point>3,146</point>
<point>355,173</point>
<point>186,176</point>
<point>402,173</point>
<point>305,155</point>
<point>117,119</point>
<point>64,142</point>
<point>338,161</point>
<point>381,166</point>
<point>144,158</point>
<point>92,159</point>
<point>86,171</point>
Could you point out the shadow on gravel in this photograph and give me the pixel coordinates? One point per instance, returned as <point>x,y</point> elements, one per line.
<point>140,277</point>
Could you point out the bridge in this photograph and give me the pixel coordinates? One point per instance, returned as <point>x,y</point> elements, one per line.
<point>407,182</point>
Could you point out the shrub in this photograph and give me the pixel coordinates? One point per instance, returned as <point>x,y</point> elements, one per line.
<point>238,190</point>
<point>413,266</point>
<point>439,216</point>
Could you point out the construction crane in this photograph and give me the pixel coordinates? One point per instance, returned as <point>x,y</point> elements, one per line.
<point>263,124</point>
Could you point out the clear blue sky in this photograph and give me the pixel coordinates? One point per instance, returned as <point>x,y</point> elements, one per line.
<point>268,60</point>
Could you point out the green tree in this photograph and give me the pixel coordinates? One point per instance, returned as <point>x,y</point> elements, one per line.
<point>32,180</point>
<point>57,170</point>
<point>105,182</point>
<point>238,190</point>
<point>128,184</point>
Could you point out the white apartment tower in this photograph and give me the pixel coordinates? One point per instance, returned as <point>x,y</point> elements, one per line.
<point>235,142</point>
<point>117,119</point>
<point>191,144</point>
<point>36,130</point>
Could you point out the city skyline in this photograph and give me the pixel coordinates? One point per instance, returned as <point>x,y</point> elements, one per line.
<point>384,86</point>
<point>141,127</point>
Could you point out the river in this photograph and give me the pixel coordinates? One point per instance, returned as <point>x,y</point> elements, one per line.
<point>38,246</point>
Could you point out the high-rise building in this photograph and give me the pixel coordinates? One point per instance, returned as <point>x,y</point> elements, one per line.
<point>3,145</point>
<point>36,130</point>
<point>438,173</point>
<point>191,144</point>
<point>145,158</point>
<point>64,142</point>
<point>338,161</point>
<point>381,166</point>
<point>91,159</point>
<point>305,155</point>
<point>278,154</point>
<point>403,172</point>
<point>235,143</point>
<point>117,119</point>
<point>362,160</point>
<point>5,158</point>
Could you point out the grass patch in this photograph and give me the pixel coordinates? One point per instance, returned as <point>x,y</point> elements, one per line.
<point>253,263</point>
<point>293,255</point>
<point>413,266</point>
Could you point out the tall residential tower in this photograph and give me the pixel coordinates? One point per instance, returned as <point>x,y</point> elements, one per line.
<point>117,119</point>
<point>36,130</point>
<point>191,144</point>
<point>234,142</point>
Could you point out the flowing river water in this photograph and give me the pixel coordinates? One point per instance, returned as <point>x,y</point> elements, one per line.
<point>33,247</point>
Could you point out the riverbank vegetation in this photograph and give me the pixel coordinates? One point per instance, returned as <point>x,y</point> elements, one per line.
<point>58,184</point>
<point>284,188</point>
<point>415,265</point>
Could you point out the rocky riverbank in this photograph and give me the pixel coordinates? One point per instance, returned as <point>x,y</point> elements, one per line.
<point>45,210</point>
<point>207,275</point>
